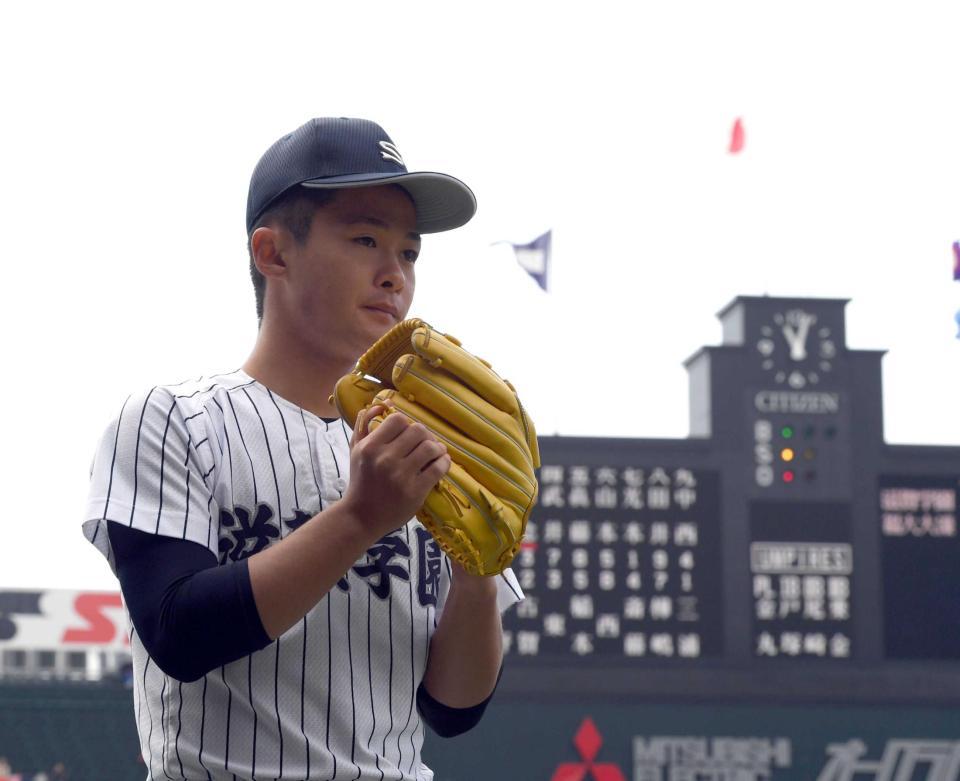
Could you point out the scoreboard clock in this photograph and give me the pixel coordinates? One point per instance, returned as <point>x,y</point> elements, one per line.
<point>795,349</point>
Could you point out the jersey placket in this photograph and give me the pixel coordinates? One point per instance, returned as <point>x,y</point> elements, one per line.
<point>333,463</point>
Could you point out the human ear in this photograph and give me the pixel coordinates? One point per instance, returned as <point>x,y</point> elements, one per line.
<point>267,246</point>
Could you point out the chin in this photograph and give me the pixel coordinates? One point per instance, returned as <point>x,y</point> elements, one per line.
<point>381,328</point>
<point>368,336</point>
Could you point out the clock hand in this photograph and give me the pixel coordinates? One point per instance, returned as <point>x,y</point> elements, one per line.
<point>797,338</point>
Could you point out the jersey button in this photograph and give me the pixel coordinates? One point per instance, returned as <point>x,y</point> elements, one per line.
<point>330,437</point>
<point>340,484</point>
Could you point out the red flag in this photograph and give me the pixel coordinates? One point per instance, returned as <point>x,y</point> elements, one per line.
<point>736,137</point>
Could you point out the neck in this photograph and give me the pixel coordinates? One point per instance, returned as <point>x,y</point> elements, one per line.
<point>287,366</point>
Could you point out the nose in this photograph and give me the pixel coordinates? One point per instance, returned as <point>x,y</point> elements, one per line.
<point>390,275</point>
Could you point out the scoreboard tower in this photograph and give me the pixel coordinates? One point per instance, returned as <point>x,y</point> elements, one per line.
<point>783,552</point>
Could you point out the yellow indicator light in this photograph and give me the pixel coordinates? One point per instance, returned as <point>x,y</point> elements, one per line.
<point>787,454</point>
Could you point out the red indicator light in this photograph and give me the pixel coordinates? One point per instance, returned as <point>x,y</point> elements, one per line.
<point>788,476</point>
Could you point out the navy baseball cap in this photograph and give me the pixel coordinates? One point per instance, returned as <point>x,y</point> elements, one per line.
<point>337,152</point>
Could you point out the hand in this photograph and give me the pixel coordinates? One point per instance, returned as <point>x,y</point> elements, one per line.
<point>393,466</point>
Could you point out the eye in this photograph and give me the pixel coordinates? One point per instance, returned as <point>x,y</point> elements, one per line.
<point>366,241</point>
<point>411,255</point>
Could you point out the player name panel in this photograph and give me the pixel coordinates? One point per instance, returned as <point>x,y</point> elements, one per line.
<point>620,562</point>
<point>920,554</point>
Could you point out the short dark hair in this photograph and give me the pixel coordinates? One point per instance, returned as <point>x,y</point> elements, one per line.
<point>294,210</point>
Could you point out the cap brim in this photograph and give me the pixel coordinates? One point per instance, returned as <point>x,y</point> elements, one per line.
<point>442,202</point>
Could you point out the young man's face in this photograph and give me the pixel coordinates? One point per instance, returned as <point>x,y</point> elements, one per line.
<point>353,278</point>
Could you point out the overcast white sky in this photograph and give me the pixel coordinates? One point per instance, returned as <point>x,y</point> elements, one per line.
<point>131,130</point>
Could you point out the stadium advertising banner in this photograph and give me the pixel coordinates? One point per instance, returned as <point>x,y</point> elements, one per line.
<point>60,619</point>
<point>660,742</point>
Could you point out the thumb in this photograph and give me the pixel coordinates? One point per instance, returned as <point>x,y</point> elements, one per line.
<point>364,418</point>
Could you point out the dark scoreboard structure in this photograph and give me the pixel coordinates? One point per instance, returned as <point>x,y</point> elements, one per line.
<point>783,552</point>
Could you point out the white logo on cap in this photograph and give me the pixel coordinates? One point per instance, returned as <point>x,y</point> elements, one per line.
<point>390,152</point>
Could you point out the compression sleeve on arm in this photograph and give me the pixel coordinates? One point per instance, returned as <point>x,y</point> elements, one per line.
<point>191,614</point>
<point>448,722</point>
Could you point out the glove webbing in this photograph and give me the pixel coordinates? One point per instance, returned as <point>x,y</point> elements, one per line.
<point>393,346</point>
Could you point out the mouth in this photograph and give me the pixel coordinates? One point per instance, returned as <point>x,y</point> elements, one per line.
<point>384,311</point>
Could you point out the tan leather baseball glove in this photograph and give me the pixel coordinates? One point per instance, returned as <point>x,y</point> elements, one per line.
<point>478,512</point>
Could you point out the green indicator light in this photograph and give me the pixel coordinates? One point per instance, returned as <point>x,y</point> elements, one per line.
<point>787,432</point>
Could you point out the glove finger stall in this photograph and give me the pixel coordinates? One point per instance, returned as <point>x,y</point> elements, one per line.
<point>443,350</point>
<point>451,401</point>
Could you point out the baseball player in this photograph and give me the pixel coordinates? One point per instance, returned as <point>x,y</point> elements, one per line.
<point>289,619</point>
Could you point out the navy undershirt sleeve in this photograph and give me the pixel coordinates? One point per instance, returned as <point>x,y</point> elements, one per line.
<point>191,614</point>
<point>449,722</point>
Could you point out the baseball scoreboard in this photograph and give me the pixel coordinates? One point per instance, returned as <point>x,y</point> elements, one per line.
<point>782,548</point>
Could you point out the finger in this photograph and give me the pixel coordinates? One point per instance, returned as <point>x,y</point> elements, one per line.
<point>371,413</point>
<point>426,453</point>
<point>515,479</point>
<point>388,425</point>
<point>411,439</point>
<point>359,428</point>
<point>365,416</point>
<point>433,472</point>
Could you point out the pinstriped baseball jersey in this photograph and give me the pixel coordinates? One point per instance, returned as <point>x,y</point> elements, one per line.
<point>227,464</point>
